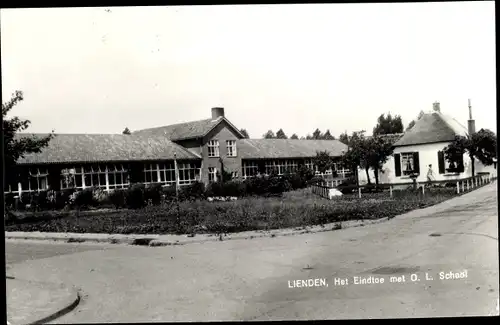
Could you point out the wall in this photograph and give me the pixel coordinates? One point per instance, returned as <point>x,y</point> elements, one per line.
<point>193,145</point>
<point>428,154</point>
<point>221,132</point>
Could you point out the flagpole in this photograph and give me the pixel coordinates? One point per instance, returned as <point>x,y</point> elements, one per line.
<point>176,176</point>
<point>177,191</point>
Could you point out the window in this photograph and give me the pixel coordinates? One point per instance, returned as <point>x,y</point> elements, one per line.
<point>189,172</point>
<point>445,166</point>
<point>234,175</point>
<point>213,148</point>
<point>166,173</point>
<point>409,163</point>
<point>152,174</point>
<point>281,166</point>
<point>250,169</point>
<point>231,148</point>
<point>101,176</point>
<point>38,180</point>
<point>309,164</point>
<point>117,177</point>
<point>212,174</point>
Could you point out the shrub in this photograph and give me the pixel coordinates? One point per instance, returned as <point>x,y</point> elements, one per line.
<point>231,188</point>
<point>256,185</point>
<point>135,196</point>
<point>100,196</point>
<point>169,193</point>
<point>117,198</point>
<point>9,200</point>
<point>296,181</point>
<point>84,199</point>
<point>63,198</point>
<point>153,193</point>
<point>193,191</point>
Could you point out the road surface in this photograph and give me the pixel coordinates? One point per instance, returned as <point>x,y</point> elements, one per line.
<point>256,279</point>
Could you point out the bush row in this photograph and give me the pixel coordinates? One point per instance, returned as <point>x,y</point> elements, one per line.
<point>138,195</point>
<point>225,217</point>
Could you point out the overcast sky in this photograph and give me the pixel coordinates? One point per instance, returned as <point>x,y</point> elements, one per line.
<point>296,67</point>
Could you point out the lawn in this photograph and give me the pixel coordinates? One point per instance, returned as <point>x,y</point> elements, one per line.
<point>294,209</point>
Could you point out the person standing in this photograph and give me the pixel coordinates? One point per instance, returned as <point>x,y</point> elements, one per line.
<point>430,174</point>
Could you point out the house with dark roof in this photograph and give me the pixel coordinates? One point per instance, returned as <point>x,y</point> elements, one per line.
<point>420,149</point>
<point>173,154</point>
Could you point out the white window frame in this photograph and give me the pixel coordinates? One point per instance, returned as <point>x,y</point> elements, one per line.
<point>213,148</point>
<point>40,175</point>
<point>85,176</point>
<point>234,174</point>
<point>231,148</point>
<point>309,164</point>
<point>212,174</point>
<point>405,156</point>
<point>281,165</point>
<point>111,172</point>
<point>249,169</point>
<point>188,172</point>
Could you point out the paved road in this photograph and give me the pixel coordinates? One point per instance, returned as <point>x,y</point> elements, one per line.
<point>250,279</point>
<point>18,251</point>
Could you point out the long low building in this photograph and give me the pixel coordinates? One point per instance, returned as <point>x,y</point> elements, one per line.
<point>197,150</point>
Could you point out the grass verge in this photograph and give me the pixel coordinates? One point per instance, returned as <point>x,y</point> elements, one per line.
<point>295,209</point>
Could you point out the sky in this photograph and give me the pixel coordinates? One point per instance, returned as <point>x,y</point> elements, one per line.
<point>296,67</point>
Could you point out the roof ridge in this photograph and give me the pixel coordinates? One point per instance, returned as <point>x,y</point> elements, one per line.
<point>175,124</point>
<point>441,115</point>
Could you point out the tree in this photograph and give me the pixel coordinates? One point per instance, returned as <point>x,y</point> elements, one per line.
<point>378,150</point>
<point>344,138</point>
<point>16,148</point>
<point>328,136</point>
<point>308,137</point>
<point>294,136</point>
<point>245,133</point>
<point>317,135</point>
<point>412,123</point>
<point>281,135</point>
<point>481,145</point>
<point>126,131</point>
<point>388,125</point>
<point>323,161</point>
<point>269,135</point>
<point>354,156</point>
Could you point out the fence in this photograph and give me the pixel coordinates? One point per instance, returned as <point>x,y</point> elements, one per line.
<point>324,189</point>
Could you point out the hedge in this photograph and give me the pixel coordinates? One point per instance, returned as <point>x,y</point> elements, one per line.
<point>138,195</point>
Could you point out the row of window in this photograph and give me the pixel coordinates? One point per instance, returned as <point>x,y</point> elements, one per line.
<point>213,148</point>
<point>108,177</point>
<point>251,168</point>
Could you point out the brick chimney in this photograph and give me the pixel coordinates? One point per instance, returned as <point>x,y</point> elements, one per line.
<point>471,123</point>
<point>436,107</point>
<point>217,112</point>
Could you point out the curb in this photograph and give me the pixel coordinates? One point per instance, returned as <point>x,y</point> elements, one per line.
<point>156,241</point>
<point>63,311</point>
<point>329,227</point>
<point>176,240</point>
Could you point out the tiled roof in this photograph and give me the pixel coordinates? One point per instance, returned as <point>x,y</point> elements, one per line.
<point>287,148</point>
<point>65,148</point>
<point>181,131</point>
<point>431,128</point>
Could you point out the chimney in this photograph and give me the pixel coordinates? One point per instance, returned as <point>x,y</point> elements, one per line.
<point>435,107</point>
<point>471,123</point>
<point>217,112</point>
